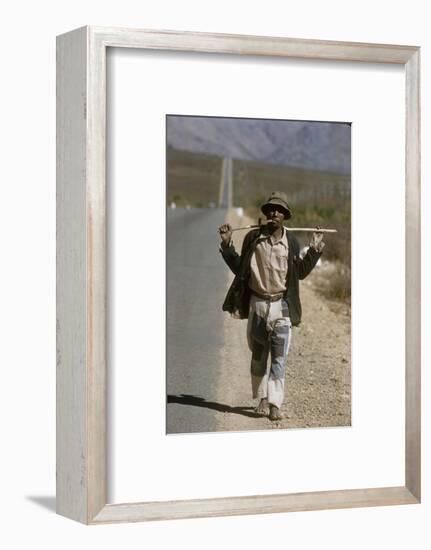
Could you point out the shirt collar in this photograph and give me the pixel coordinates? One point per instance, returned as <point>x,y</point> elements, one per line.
<point>282,240</point>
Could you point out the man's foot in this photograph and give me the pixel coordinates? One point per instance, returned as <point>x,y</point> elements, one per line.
<point>263,407</point>
<point>275,413</point>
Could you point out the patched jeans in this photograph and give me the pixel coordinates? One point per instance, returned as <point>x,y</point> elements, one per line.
<point>268,334</point>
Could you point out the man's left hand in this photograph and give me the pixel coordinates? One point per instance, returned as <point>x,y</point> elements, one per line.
<point>317,240</point>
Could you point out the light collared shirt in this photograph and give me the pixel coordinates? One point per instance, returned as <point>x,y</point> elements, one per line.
<point>269,265</point>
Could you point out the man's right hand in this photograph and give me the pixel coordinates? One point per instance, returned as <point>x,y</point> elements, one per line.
<point>225,231</point>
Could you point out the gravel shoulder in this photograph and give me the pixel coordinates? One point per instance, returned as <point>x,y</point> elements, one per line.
<point>318,372</point>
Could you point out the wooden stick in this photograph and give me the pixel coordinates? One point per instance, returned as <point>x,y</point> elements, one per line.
<point>312,229</point>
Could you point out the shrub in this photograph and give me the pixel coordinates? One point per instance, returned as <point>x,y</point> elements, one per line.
<point>333,280</point>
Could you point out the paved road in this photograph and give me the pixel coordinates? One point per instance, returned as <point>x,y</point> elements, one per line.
<point>196,286</point>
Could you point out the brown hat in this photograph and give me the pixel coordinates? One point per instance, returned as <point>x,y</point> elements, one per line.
<point>280,199</point>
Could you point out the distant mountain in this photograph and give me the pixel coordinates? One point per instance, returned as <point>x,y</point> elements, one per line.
<point>313,145</point>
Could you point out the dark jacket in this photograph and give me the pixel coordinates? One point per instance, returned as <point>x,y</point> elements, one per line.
<point>238,296</point>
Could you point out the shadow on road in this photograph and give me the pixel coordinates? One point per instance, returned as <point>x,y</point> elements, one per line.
<point>194,401</point>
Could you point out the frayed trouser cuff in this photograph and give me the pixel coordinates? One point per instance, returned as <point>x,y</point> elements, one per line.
<point>271,389</point>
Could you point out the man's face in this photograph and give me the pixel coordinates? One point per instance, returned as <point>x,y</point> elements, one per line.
<point>275,214</point>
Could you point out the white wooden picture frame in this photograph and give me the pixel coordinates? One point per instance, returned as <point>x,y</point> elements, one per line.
<point>81,274</point>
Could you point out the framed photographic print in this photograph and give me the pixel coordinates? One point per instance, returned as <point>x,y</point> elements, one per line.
<point>221,170</point>
<point>238,275</point>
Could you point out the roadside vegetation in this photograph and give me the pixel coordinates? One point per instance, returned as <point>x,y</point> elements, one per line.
<point>192,179</point>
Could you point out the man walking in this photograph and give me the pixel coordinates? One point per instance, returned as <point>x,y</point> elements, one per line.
<point>266,292</point>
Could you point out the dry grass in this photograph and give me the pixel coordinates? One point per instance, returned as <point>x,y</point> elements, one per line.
<point>333,280</point>
<point>192,179</point>
<point>254,181</point>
